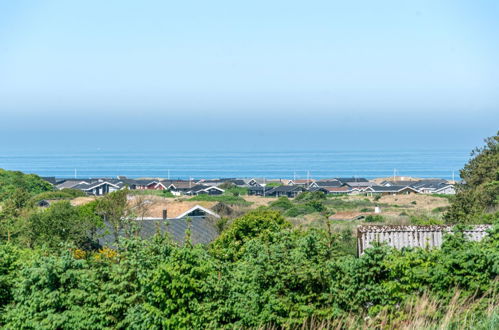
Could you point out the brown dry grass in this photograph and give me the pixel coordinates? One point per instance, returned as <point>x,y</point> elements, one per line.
<point>423,202</point>
<point>154,205</point>
<point>259,200</point>
<point>421,312</point>
<point>82,200</point>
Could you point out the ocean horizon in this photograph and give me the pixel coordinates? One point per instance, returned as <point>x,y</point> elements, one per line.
<point>231,164</point>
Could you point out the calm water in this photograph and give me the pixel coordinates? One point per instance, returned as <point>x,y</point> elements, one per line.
<point>369,164</point>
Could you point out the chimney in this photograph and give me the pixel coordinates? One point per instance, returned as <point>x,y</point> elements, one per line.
<point>165,213</point>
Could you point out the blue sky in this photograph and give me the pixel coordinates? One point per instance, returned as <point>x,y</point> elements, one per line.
<point>252,75</point>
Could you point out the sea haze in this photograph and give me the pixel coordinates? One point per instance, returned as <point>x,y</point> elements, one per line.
<point>184,165</point>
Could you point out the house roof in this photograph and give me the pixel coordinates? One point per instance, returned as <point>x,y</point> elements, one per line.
<point>181,185</point>
<point>286,189</point>
<point>361,184</point>
<point>430,184</point>
<point>67,184</point>
<point>92,185</point>
<point>390,188</point>
<point>175,209</point>
<point>335,189</point>
<point>202,230</point>
<point>50,179</point>
<point>334,183</point>
<point>346,180</point>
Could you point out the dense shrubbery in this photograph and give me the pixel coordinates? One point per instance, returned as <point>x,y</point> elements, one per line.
<point>11,181</point>
<point>59,194</point>
<point>480,194</point>
<point>259,272</point>
<point>304,203</point>
<point>374,218</point>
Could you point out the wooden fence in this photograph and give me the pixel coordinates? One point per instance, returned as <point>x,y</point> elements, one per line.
<point>411,236</point>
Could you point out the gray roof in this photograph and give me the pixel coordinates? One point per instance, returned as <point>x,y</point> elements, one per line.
<point>71,183</point>
<point>50,179</point>
<point>361,184</point>
<point>328,183</point>
<point>287,189</point>
<point>432,184</point>
<point>203,230</point>
<point>347,180</point>
<point>91,185</point>
<point>390,188</point>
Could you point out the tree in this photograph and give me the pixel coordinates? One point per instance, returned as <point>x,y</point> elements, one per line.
<point>260,222</point>
<point>480,192</point>
<point>13,180</point>
<point>12,210</point>
<point>61,223</point>
<point>116,211</point>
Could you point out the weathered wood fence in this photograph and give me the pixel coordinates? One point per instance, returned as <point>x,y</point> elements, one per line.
<point>411,236</point>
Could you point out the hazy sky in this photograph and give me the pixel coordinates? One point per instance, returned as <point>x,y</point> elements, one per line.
<point>250,75</point>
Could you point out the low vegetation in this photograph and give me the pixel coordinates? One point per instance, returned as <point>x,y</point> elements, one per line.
<point>227,199</point>
<point>10,181</point>
<point>261,272</point>
<point>149,192</point>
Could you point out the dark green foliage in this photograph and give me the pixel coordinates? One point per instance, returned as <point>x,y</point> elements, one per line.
<point>62,223</point>
<point>273,184</point>
<point>174,292</point>
<point>60,194</point>
<point>311,196</point>
<point>439,209</point>
<point>304,203</point>
<point>253,224</point>
<point>277,276</point>
<point>9,255</point>
<point>423,220</point>
<point>374,218</point>
<point>282,203</point>
<point>236,191</point>
<point>13,180</point>
<point>12,212</point>
<point>316,205</point>
<point>340,204</point>
<point>480,193</point>
<point>300,209</point>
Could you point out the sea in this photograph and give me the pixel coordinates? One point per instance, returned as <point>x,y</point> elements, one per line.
<point>232,164</point>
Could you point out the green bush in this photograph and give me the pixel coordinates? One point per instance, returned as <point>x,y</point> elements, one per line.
<point>311,196</point>
<point>425,221</point>
<point>374,218</point>
<point>298,210</point>
<point>60,194</point>
<point>341,204</point>
<point>13,180</point>
<point>259,272</point>
<point>237,191</point>
<point>282,203</point>
<point>256,223</point>
<point>440,209</point>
